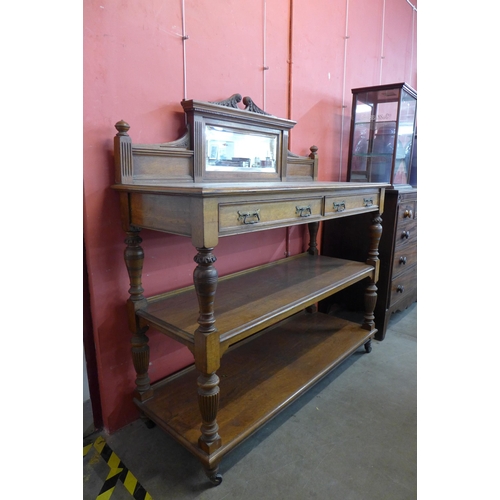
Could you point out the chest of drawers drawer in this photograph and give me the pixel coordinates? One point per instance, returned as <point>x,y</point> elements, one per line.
<point>403,285</point>
<point>405,257</point>
<point>253,216</point>
<point>406,234</point>
<point>406,213</point>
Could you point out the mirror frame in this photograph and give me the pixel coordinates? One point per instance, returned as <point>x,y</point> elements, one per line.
<point>251,120</point>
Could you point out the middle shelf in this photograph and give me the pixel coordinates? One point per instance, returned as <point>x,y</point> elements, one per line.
<point>248,301</point>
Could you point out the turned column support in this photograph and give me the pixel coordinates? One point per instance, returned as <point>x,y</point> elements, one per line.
<point>313,250</point>
<point>313,235</point>
<point>134,260</point>
<point>375,234</point>
<point>207,350</point>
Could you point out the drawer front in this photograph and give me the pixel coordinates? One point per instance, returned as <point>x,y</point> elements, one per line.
<point>406,234</point>
<point>359,203</point>
<point>407,211</point>
<point>243,217</point>
<point>403,285</point>
<point>405,256</point>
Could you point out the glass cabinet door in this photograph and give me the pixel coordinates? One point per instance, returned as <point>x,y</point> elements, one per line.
<point>382,131</point>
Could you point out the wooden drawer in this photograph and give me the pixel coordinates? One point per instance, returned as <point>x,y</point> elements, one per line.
<point>241,217</point>
<point>403,285</point>
<point>405,257</point>
<point>407,211</point>
<point>348,204</point>
<point>406,234</point>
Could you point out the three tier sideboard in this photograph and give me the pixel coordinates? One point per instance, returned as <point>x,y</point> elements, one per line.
<point>257,337</point>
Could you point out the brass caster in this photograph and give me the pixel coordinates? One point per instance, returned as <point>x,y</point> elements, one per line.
<point>148,423</point>
<point>216,480</point>
<point>213,476</point>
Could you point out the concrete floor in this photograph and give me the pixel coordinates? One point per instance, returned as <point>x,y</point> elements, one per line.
<point>351,437</point>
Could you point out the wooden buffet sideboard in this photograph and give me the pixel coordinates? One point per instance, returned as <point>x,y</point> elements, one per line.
<point>257,338</point>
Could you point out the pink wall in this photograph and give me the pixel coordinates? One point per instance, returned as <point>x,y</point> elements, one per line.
<point>133,70</point>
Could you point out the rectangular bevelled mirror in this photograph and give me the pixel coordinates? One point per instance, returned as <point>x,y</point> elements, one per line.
<point>232,150</point>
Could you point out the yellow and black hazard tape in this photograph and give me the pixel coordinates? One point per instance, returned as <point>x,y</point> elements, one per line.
<point>118,472</point>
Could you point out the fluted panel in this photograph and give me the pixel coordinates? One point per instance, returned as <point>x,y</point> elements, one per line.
<point>126,160</point>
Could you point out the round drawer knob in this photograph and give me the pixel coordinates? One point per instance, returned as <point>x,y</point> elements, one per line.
<point>405,234</point>
<point>408,214</point>
<point>402,260</point>
<point>400,289</point>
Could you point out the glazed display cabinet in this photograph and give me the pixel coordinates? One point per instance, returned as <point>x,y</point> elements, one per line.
<point>383,122</point>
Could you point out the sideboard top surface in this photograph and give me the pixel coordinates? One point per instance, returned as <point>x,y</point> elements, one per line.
<point>227,188</point>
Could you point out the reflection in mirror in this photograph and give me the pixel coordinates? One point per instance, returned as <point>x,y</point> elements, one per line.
<point>228,149</point>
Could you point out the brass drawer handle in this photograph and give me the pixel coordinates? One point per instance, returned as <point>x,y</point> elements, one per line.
<point>400,289</point>
<point>402,260</point>
<point>303,211</point>
<point>405,235</point>
<point>368,202</point>
<point>249,217</point>
<point>408,214</point>
<point>339,207</point>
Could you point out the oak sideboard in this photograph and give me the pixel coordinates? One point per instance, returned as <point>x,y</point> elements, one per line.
<point>257,338</point>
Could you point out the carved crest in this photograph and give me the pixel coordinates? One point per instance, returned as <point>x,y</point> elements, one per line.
<point>232,102</point>
<point>251,106</point>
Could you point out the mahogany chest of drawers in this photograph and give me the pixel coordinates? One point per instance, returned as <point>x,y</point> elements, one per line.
<point>398,287</point>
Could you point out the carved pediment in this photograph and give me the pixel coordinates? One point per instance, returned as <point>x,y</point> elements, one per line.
<point>232,102</point>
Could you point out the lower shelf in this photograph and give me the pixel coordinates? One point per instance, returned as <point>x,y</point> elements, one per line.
<point>258,378</point>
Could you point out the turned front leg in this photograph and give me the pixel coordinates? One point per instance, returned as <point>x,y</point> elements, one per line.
<point>207,351</point>
<point>371,290</point>
<point>370,302</point>
<point>134,260</point>
<point>208,401</point>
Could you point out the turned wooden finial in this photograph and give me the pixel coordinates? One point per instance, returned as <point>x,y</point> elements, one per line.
<point>314,150</point>
<point>122,127</point>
